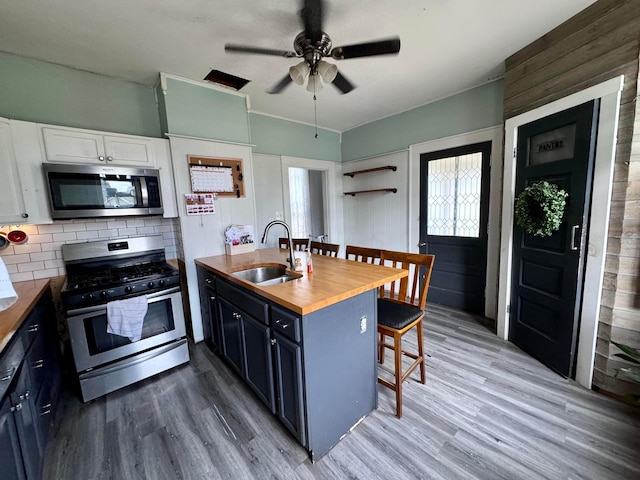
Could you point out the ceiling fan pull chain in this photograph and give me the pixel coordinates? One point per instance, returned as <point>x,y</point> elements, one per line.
<point>315,113</point>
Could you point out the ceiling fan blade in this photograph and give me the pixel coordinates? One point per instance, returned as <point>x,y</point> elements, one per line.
<point>278,87</point>
<point>342,84</point>
<point>231,47</point>
<point>380,47</point>
<point>311,14</point>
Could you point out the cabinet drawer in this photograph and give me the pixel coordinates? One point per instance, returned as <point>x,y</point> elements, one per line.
<point>285,322</point>
<point>9,363</point>
<point>244,301</point>
<point>31,327</point>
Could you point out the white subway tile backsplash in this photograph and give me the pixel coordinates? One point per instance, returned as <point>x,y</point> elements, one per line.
<point>44,238</point>
<point>13,259</point>
<point>21,277</point>
<point>54,263</point>
<point>99,225</point>
<point>146,231</point>
<point>135,222</point>
<point>88,235</point>
<point>52,272</point>
<point>75,227</point>
<point>117,224</point>
<point>125,232</point>
<point>64,237</point>
<point>50,228</point>
<point>111,233</point>
<point>35,257</point>
<point>152,222</point>
<point>27,248</point>
<point>41,255</point>
<point>30,267</point>
<point>55,246</point>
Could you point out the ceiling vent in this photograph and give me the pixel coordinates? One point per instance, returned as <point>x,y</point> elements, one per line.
<point>226,79</point>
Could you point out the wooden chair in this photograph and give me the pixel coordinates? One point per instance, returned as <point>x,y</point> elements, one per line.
<point>328,249</point>
<point>364,254</point>
<point>398,313</point>
<point>299,244</point>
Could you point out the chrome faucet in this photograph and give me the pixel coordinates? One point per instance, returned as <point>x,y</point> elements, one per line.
<point>291,258</point>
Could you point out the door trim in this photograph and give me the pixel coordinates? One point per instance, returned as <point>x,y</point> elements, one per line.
<point>609,93</point>
<point>493,135</point>
<point>333,201</point>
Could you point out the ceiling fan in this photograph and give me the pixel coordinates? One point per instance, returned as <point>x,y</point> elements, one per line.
<point>313,45</point>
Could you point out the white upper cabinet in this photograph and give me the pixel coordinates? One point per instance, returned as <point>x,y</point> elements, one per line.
<point>74,145</point>
<point>12,209</point>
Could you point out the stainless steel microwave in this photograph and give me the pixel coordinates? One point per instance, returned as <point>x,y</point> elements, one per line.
<point>84,191</point>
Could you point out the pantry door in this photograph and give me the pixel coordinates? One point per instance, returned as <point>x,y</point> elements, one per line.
<point>548,271</point>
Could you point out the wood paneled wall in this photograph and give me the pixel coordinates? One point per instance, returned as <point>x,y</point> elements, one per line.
<point>600,43</point>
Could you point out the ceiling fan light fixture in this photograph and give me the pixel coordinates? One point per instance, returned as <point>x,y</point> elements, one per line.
<point>314,85</point>
<point>327,71</point>
<point>299,72</point>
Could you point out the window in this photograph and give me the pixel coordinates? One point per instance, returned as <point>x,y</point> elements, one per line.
<point>453,196</point>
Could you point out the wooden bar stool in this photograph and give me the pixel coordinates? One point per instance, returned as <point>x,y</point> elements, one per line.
<point>398,313</point>
<point>328,249</point>
<point>299,244</point>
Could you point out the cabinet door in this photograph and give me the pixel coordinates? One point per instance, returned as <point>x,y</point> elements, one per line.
<point>125,150</point>
<point>257,359</point>
<point>289,386</point>
<point>12,205</point>
<point>11,464</point>
<point>25,418</point>
<point>231,334</point>
<point>72,146</point>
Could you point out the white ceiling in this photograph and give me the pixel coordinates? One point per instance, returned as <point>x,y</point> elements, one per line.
<point>447,45</point>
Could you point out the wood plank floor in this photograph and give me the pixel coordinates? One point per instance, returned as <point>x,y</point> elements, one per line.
<point>487,411</point>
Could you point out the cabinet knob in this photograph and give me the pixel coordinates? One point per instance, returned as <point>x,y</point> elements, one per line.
<point>25,215</point>
<point>273,341</point>
<point>101,158</point>
<point>109,159</point>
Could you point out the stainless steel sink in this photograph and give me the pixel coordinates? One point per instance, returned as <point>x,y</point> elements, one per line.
<point>266,275</point>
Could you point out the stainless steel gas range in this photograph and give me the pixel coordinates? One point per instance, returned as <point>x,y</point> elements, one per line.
<point>100,275</point>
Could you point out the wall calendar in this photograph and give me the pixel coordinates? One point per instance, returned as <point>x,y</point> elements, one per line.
<point>223,176</point>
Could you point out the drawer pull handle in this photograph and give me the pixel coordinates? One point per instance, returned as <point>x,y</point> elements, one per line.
<point>33,328</point>
<point>46,408</point>
<point>208,281</point>
<point>5,378</point>
<point>38,364</point>
<point>283,325</point>
<point>46,412</point>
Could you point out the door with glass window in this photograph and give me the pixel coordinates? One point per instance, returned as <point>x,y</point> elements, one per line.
<point>454,211</point>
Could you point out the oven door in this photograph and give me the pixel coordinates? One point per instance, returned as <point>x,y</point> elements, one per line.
<point>92,346</point>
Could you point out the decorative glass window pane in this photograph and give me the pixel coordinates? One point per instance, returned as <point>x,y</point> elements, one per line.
<point>453,199</point>
<point>552,146</point>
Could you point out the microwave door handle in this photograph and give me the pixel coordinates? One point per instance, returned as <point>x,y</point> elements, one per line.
<point>144,192</point>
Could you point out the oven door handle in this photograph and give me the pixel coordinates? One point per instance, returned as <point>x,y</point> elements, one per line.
<point>151,298</point>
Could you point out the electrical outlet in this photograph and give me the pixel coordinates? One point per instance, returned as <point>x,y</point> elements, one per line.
<point>363,324</point>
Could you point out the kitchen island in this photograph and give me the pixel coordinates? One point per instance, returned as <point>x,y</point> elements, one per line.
<point>307,347</point>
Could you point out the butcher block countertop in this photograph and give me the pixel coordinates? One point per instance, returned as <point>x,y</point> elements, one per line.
<point>28,295</point>
<point>332,280</point>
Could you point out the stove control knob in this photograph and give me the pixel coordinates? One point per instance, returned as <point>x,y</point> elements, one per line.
<point>161,283</point>
<point>103,294</point>
<point>151,284</point>
<point>128,289</point>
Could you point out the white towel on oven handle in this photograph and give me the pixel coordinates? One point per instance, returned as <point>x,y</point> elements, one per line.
<point>125,317</point>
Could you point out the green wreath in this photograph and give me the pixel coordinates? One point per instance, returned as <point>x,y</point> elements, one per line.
<point>540,207</point>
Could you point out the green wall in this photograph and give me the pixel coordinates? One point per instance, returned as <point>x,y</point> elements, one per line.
<point>37,91</point>
<point>200,111</point>
<point>282,137</point>
<point>471,110</point>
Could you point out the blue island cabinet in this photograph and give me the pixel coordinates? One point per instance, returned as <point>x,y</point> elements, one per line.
<point>316,372</point>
